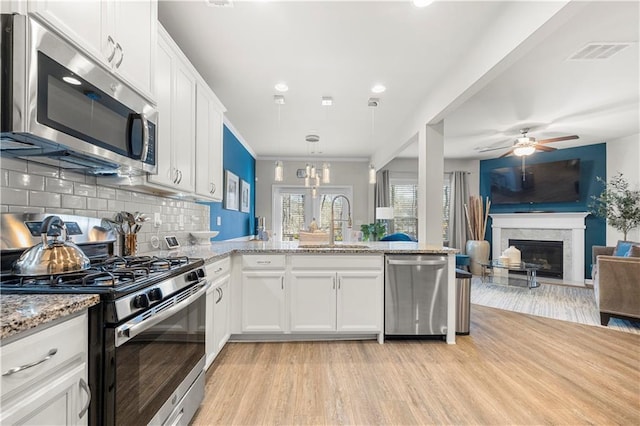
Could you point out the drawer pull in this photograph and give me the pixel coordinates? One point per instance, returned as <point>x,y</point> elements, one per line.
<point>83,385</point>
<point>263,262</point>
<point>217,270</point>
<point>15,370</point>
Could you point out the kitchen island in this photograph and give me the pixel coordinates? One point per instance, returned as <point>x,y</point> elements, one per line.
<point>285,291</point>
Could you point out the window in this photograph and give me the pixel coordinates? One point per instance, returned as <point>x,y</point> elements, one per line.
<point>294,209</point>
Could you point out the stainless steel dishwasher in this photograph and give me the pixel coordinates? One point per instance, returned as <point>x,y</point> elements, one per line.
<point>415,295</point>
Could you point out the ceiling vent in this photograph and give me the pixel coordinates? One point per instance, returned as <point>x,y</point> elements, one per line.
<point>594,51</point>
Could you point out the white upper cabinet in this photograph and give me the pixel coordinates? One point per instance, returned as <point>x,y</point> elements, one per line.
<point>209,117</point>
<point>119,34</point>
<point>176,92</point>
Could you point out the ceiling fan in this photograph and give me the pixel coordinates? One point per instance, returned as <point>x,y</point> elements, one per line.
<point>527,145</point>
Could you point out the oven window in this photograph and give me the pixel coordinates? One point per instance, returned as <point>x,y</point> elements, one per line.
<point>150,366</point>
<point>71,105</point>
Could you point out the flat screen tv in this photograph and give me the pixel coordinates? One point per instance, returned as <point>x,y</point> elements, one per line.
<point>552,182</point>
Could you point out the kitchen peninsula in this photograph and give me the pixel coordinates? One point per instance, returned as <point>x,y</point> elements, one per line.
<point>285,291</point>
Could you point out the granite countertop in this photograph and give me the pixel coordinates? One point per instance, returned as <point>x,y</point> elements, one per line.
<point>219,250</point>
<point>21,312</point>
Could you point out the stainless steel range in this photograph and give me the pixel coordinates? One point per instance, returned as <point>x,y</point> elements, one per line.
<point>146,348</point>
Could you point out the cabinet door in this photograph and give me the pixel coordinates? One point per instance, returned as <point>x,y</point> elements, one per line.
<point>58,401</point>
<point>313,301</point>
<point>216,119</point>
<point>183,125</point>
<point>82,22</point>
<point>165,174</point>
<point>134,29</point>
<point>204,157</point>
<point>263,301</point>
<point>360,307</point>
<point>221,312</point>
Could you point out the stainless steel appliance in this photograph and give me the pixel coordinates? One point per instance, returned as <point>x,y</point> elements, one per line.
<point>146,348</point>
<point>61,108</point>
<point>415,295</point>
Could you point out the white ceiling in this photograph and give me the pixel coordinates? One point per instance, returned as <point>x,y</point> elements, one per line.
<point>340,49</point>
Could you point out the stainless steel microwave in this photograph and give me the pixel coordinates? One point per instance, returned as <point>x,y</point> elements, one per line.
<point>61,108</point>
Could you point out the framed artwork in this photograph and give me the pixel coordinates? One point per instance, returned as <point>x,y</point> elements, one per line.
<point>231,190</point>
<point>245,193</point>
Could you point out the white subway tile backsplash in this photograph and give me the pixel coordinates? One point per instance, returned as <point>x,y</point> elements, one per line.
<point>123,195</point>
<point>25,209</point>
<point>44,199</point>
<point>84,189</point>
<point>14,164</point>
<point>59,185</point>
<point>115,205</point>
<point>43,170</point>
<point>3,208</point>
<point>73,176</point>
<point>5,178</point>
<point>56,210</point>
<point>86,213</point>
<point>97,204</point>
<point>107,193</point>
<point>25,181</point>
<point>74,202</point>
<point>12,196</point>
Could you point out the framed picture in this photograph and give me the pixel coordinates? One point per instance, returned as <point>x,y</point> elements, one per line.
<point>231,190</point>
<point>245,192</point>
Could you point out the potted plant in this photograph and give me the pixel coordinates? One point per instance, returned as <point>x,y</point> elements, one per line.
<point>618,204</point>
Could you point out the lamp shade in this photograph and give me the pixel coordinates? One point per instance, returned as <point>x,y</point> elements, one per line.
<point>384,212</point>
<point>524,150</point>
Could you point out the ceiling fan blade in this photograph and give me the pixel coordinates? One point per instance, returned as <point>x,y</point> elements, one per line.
<point>561,138</point>
<point>507,153</point>
<point>487,149</point>
<point>546,148</point>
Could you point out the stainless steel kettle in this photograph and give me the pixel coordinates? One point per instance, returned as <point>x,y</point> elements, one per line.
<point>51,257</point>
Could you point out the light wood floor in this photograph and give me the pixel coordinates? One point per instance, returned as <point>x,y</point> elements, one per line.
<point>512,369</point>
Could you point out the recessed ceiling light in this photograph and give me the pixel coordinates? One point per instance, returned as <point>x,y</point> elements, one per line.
<point>422,3</point>
<point>278,99</point>
<point>71,80</point>
<point>327,101</point>
<point>378,88</point>
<point>281,87</point>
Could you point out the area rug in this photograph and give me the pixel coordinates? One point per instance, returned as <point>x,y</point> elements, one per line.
<point>561,302</point>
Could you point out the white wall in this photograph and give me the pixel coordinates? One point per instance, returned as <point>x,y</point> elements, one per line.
<point>623,155</point>
<point>351,173</point>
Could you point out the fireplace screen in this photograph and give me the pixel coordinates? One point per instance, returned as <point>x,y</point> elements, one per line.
<point>548,254</point>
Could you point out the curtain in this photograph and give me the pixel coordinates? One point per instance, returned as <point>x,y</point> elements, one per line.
<point>457,219</point>
<point>383,198</point>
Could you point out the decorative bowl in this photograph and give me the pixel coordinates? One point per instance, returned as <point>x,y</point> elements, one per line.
<point>203,237</point>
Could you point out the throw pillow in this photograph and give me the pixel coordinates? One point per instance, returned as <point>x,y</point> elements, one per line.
<point>634,251</point>
<point>623,247</point>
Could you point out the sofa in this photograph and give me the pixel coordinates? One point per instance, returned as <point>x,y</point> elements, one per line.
<point>616,283</point>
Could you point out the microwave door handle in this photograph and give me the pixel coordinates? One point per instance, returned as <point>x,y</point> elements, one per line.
<point>145,134</point>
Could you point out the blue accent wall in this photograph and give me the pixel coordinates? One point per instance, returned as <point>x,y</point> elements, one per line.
<point>593,163</point>
<point>240,162</point>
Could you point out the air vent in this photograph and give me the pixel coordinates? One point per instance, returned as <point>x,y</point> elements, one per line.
<point>594,51</point>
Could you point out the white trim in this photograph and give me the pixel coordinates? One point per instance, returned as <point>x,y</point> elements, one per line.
<point>240,138</point>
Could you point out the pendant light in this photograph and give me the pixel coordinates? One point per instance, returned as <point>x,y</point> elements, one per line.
<point>326,173</point>
<point>372,174</point>
<point>279,169</point>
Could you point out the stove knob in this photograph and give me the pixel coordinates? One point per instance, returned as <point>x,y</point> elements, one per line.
<point>141,301</point>
<point>155,294</point>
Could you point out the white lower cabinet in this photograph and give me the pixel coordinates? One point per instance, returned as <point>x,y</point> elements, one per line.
<point>347,302</point>
<point>263,301</point>
<point>218,311</point>
<point>44,376</point>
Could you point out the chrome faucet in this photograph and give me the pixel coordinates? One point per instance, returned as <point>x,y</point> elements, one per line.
<point>333,220</point>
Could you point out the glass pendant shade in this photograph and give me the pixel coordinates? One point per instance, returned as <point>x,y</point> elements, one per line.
<point>314,192</point>
<point>313,173</point>
<point>524,150</point>
<point>279,171</point>
<point>372,174</point>
<point>326,173</point>
<point>306,181</point>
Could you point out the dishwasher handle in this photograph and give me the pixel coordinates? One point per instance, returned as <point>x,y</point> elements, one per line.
<point>417,262</point>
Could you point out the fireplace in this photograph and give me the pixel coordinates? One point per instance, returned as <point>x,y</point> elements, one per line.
<point>549,254</point>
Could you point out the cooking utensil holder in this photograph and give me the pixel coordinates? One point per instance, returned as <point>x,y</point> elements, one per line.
<point>130,246</point>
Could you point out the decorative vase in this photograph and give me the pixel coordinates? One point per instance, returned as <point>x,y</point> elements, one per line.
<point>478,251</point>
<point>513,254</point>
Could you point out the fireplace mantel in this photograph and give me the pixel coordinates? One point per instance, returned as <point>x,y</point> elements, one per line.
<point>572,222</point>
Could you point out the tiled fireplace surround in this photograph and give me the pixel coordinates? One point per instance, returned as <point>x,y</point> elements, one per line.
<point>566,227</point>
<point>32,187</point>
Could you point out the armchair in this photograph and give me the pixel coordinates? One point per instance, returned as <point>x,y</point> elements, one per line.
<point>616,284</point>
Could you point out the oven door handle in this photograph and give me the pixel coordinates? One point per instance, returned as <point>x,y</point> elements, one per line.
<point>131,329</point>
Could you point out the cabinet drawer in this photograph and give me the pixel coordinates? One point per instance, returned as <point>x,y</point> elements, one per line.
<point>69,340</point>
<point>254,261</point>
<point>336,262</point>
<point>218,269</point>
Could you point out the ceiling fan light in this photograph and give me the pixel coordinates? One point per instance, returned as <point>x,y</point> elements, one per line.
<point>524,150</point>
